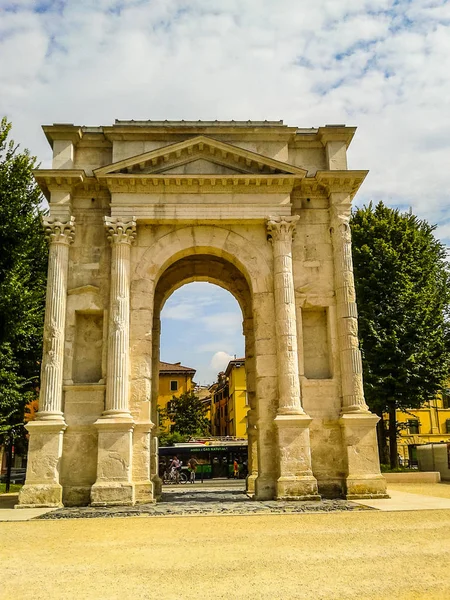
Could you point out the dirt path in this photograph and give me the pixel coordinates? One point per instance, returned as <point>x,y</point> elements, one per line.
<point>336,556</point>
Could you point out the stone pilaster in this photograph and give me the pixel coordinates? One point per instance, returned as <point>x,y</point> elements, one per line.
<point>154,458</point>
<point>252,434</point>
<point>358,424</point>
<point>115,428</point>
<point>60,236</point>
<point>296,481</point>
<point>347,316</point>
<point>42,486</point>
<point>121,235</point>
<point>280,231</point>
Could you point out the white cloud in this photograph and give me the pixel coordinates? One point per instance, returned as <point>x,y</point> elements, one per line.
<point>220,360</point>
<point>379,65</point>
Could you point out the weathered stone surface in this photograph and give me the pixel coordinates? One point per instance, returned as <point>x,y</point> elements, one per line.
<point>198,202</point>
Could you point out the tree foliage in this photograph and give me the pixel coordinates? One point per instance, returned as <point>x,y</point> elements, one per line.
<point>23,269</point>
<point>188,415</point>
<point>403,294</point>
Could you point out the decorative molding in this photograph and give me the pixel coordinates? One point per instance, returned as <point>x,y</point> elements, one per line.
<point>59,232</point>
<point>347,182</point>
<point>195,184</point>
<point>281,229</point>
<point>206,146</point>
<point>120,231</point>
<point>84,289</point>
<point>51,180</point>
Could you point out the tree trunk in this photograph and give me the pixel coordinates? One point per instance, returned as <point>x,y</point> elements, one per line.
<point>382,441</point>
<point>393,451</point>
<point>8,464</point>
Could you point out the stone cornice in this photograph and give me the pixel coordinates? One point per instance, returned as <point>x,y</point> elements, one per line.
<point>50,180</point>
<point>336,133</point>
<point>347,182</point>
<point>61,131</point>
<point>182,150</point>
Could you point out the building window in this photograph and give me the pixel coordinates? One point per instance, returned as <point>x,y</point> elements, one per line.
<point>174,386</point>
<point>447,426</point>
<point>412,454</point>
<point>445,397</point>
<point>413,426</point>
<point>169,407</point>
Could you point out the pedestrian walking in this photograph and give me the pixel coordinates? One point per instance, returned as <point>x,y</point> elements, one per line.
<point>236,469</point>
<point>192,465</point>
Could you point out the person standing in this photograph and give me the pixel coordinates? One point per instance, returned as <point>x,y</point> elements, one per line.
<point>176,466</point>
<point>192,464</point>
<point>236,469</point>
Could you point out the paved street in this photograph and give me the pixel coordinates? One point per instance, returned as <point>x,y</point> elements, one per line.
<point>225,497</point>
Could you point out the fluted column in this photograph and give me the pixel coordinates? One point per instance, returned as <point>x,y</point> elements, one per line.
<point>252,434</point>
<point>42,487</point>
<point>60,235</point>
<point>121,235</point>
<point>280,231</point>
<point>347,316</point>
<point>296,480</point>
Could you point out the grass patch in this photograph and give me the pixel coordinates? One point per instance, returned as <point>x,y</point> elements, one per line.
<point>387,469</point>
<point>13,489</point>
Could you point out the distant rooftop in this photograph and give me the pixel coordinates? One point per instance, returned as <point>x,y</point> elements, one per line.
<point>165,367</point>
<point>236,362</point>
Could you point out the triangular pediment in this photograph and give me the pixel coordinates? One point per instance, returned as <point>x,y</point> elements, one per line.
<point>200,155</point>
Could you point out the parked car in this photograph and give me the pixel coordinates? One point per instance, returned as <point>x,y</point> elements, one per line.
<point>17,476</point>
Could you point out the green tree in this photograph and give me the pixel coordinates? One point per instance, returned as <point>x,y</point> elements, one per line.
<point>403,295</point>
<point>188,415</point>
<point>23,272</point>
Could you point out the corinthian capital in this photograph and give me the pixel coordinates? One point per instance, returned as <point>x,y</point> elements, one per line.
<point>281,229</point>
<point>59,232</point>
<point>120,232</point>
<point>340,221</point>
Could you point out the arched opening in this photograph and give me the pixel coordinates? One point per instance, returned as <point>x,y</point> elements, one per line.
<point>208,272</point>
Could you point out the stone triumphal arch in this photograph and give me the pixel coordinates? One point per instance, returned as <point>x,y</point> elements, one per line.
<point>137,209</point>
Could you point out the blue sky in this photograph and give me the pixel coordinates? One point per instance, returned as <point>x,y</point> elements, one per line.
<point>201,326</point>
<point>380,65</point>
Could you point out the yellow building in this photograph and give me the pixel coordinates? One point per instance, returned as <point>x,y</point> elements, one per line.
<point>430,423</point>
<point>174,380</point>
<point>229,401</point>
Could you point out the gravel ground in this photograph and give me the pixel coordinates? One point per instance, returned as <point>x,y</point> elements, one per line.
<point>341,556</point>
<point>186,500</point>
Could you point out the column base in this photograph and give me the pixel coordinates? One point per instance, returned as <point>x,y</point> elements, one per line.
<point>114,486</point>
<point>112,494</point>
<point>265,488</point>
<point>359,488</point>
<point>40,495</point>
<point>297,488</point>
<point>364,479</point>
<point>250,485</point>
<point>42,488</point>
<point>144,492</point>
<point>296,480</point>
<point>157,486</point>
